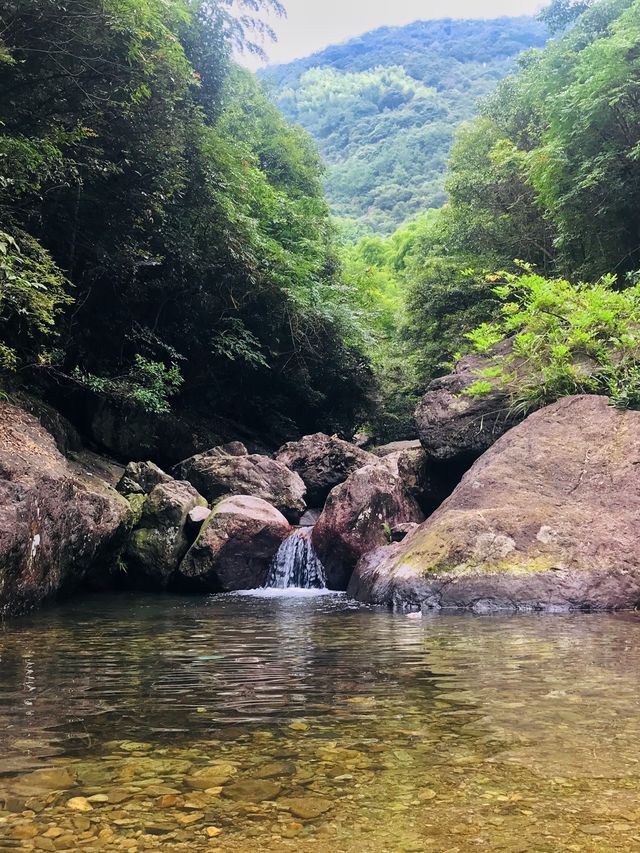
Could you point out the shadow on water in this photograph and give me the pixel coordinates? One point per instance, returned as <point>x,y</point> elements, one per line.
<point>340,727</point>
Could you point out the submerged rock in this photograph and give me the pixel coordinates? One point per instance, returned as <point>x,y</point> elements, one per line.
<point>359,516</point>
<point>307,808</point>
<point>160,541</point>
<point>548,518</point>
<point>59,523</point>
<point>235,547</point>
<point>230,470</point>
<point>252,790</point>
<point>323,462</point>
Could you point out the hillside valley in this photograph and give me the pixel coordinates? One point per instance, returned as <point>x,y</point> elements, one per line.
<point>383,109</point>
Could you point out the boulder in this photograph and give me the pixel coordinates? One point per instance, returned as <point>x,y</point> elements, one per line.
<point>358,517</point>
<point>323,462</point>
<point>547,519</point>
<point>140,478</point>
<point>161,540</point>
<point>230,470</point>
<point>455,426</point>
<point>60,524</point>
<point>235,547</point>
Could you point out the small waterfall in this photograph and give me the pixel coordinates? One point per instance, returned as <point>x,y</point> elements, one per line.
<point>296,564</point>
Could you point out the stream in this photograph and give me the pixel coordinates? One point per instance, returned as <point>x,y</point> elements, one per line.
<point>282,721</point>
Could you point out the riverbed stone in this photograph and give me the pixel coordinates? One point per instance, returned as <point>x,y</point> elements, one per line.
<point>231,470</point>
<point>235,547</point>
<point>211,777</point>
<point>60,524</point>
<point>547,519</point>
<point>307,808</point>
<point>358,517</point>
<point>252,790</point>
<point>323,462</point>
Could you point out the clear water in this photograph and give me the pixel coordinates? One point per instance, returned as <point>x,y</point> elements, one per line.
<point>324,726</point>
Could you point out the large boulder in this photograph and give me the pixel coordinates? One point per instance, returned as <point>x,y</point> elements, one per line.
<point>230,470</point>
<point>323,462</point>
<point>235,547</point>
<point>547,519</point>
<point>60,524</point>
<point>358,517</point>
<point>457,426</point>
<point>161,539</point>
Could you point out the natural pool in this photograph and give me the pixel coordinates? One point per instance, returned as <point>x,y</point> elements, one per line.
<point>247,723</point>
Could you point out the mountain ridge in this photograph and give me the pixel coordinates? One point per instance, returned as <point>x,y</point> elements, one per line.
<point>384,139</point>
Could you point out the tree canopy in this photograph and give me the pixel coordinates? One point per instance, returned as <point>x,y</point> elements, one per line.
<point>164,236</point>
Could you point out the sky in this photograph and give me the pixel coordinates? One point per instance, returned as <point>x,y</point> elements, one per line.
<point>313,24</point>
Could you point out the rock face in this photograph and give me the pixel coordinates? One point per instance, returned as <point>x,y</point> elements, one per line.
<point>230,470</point>
<point>358,517</point>
<point>548,518</point>
<point>235,547</point>
<point>454,426</point>
<point>323,462</point>
<point>160,540</point>
<point>59,524</point>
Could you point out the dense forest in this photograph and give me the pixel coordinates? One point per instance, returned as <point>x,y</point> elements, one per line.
<point>166,247</point>
<point>164,239</point>
<point>539,240</point>
<point>384,107</point>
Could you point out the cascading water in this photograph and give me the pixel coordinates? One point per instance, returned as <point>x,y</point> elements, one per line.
<point>296,564</point>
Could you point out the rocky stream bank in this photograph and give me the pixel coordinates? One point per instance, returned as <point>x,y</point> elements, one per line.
<point>545,518</point>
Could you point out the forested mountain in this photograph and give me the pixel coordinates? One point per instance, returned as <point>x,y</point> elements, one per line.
<point>164,239</point>
<point>539,241</point>
<point>384,108</point>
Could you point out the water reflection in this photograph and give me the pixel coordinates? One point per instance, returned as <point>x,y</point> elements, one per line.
<point>340,728</point>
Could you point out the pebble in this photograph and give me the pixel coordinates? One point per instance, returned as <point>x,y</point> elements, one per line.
<point>307,808</point>
<point>79,804</point>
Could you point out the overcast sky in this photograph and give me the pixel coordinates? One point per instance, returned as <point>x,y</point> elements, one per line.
<point>313,24</point>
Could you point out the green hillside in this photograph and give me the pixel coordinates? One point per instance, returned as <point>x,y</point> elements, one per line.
<point>384,107</point>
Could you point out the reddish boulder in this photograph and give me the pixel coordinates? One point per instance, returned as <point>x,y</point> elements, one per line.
<point>547,519</point>
<point>230,470</point>
<point>358,517</point>
<point>235,547</point>
<point>59,523</point>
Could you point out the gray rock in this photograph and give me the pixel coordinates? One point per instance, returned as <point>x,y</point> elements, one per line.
<point>140,478</point>
<point>229,470</point>
<point>456,427</point>
<point>323,462</point>
<point>199,515</point>
<point>397,447</point>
